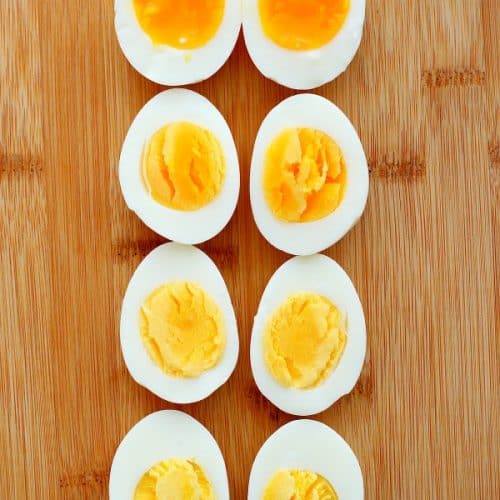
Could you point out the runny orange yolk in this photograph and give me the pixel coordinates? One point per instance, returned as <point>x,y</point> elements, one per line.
<point>183,166</point>
<point>185,24</point>
<point>304,175</point>
<point>302,24</point>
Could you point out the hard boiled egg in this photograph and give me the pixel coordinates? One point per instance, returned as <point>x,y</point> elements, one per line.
<point>168,453</point>
<point>178,330</point>
<point>309,337</point>
<point>177,43</point>
<point>309,175</point>
<point>179,168</point>
<point>305,455</point>
<point>303,44</point>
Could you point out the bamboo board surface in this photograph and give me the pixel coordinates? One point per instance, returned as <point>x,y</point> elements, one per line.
<point>423,93</point>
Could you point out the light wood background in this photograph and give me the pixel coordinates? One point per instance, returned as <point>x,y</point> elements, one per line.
<point>423,92</point>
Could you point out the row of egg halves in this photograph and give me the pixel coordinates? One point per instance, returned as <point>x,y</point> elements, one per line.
<point>179,172</point>
<point>301,45</point>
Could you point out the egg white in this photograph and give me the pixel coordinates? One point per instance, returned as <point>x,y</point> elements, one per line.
<point>310,445</point>
<point>170,66</point>
<point>167,263</point>
<point>161,436</point>
<point>305,238</point>
<point>190,227</point>
<point>322,275</point>
<point>307,69</point>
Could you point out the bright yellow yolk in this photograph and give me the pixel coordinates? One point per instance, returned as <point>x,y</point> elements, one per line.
<point>299,485</point>
<point>174,479</point>
<point>182,329</point>
<point>304,340</point>
<point>302,24</point>
<point>185,24</point>
<point>304,175</point>
<point>183,166</point>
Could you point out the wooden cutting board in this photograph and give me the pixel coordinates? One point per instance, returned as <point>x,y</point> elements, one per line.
<point>423,93</point>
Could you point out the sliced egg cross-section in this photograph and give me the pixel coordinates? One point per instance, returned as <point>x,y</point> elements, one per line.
<point>177,43</point>
<point>309,337</point>
<point>178,330</point>
<point>168,455</point>
<point>179,169</point>
<point>309,175</point>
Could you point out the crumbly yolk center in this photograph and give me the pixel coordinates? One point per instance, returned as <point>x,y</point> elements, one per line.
<point>174,479</point>
<point>187,24</point>
<point>304,340</point>
<point>304,175</point>
<point>302,24</point>
<point>182,329</point>
<point>299,485</point>
<point>183,166</point>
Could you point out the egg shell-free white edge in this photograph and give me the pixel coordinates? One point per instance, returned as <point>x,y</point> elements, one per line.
<point>310,445</point>
<point>303,70</point>
<point>319,274</point>
<point>305,238</point>
<point>167,263</point>
<point>170,66</point>
<point>189,227</point>
<point>160,436</point>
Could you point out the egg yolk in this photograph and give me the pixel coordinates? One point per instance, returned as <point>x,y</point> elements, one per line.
<point>183,166</point>
<point>304,340</point>
<point>182,329</point>
<point>304,175</point>
<point>186,24</point>
<point>299,485</point>
<point>174,479</point>
<point>302,24</point>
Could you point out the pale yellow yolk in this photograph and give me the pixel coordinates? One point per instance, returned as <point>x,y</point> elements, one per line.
<point>304,340</point>
<point>183,329</point>
<point>302,24</point>
<point>185,24</point>
<point>183,166</point>
<point>304,175</point>
<point>298,485</point>
<point>174,479</point>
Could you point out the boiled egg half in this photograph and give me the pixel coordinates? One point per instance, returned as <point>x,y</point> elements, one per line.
<point>305,459</point>
<point>178,330</point>
<point>303,44</point>
<point>308,177</point>
<point>309,337</point>
<point>177,43</point>
<point>168,455</point>
<point>179,169</point>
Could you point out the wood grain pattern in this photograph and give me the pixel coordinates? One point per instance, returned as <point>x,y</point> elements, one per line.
<point>423,93</point>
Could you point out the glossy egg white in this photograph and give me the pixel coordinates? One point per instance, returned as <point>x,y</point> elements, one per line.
<point>170,66</point>
<point>305,238</point>
<point>161,436</point>
<point>166,263</point>
<point>190,227</point>
<point>322,275</point>
<point>307,69</point>
<point>309,445</point>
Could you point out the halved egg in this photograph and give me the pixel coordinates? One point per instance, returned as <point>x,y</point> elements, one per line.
<point>168,455</point>
<point>303,44</point>
<point>308,177</point>
<point>308,340</point>
<point>305,459</point>
<point>178,330</point>
<point>177,43</point>
<point>179,167</point>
